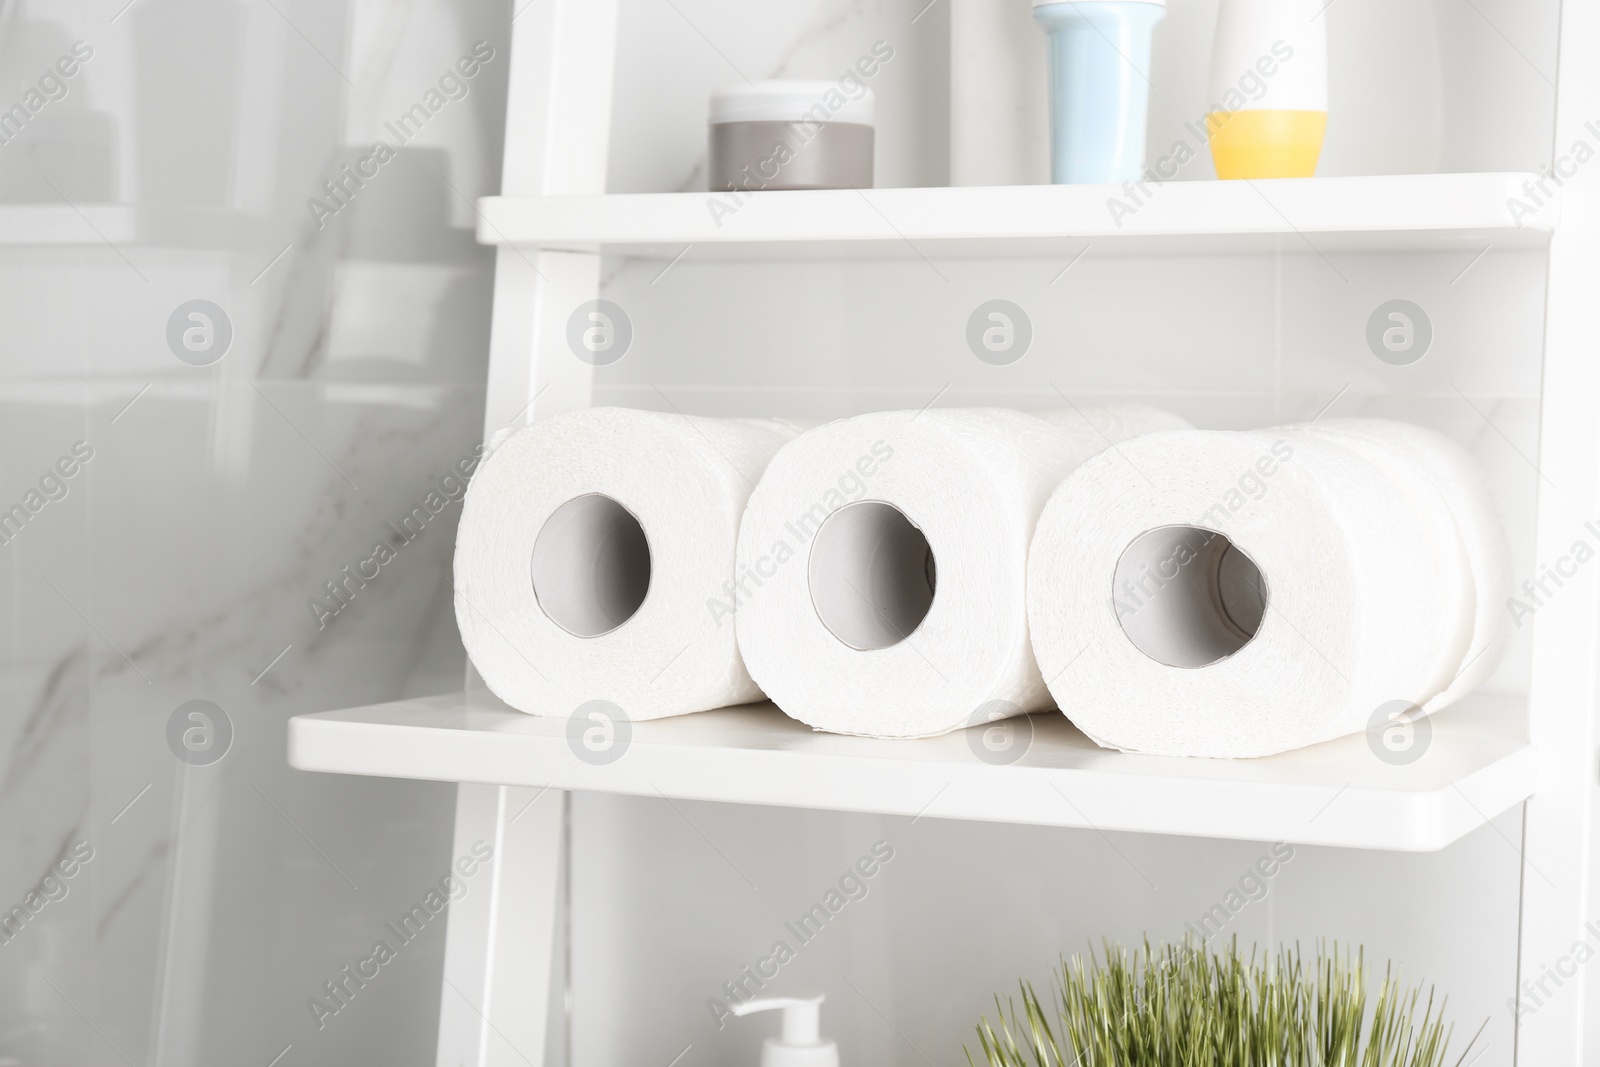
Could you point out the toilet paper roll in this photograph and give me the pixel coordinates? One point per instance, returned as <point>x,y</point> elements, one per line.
<point>595,561</point>
<point>1235,594</point>
<point>1098,428</point>
<point>1449,583</point>
<point>881,568</point>
<point>1488,555</point>
<point>1450,475</point>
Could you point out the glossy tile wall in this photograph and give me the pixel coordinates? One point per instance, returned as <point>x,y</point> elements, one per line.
<point>214,490</point>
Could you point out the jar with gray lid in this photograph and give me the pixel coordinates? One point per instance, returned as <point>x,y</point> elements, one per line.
<point>791,135</point>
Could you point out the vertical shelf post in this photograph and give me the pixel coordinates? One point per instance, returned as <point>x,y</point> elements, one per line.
<point>558,130</point>
<point>499,935</point>
<point>500,943</point>
<point>1558,891</point>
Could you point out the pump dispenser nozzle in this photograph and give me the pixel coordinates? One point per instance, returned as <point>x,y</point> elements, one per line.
<point>801,1043</point>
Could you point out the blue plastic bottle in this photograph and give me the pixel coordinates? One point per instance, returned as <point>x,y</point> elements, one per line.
<point>1099,86</point>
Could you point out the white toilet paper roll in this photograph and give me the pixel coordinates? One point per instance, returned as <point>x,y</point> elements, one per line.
<point>1449,583</point>
<point>1488,555</point>
<point>595,561</point>
<point>1234,594</point>
<point>1450,475</point>
<point>882,561</point>
<point>1098,428</point>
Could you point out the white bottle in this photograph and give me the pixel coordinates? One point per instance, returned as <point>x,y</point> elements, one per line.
<point>1269,88</point>
<point>800,1044</point>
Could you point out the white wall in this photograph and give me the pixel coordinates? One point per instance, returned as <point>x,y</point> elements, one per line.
<point>671,899</point>
<point>1227,341</point>
<point>1415,86</point>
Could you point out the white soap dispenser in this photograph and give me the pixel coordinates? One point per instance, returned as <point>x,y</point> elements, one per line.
<point>801,1043</point>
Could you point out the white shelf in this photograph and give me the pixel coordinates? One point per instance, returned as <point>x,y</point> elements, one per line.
<point>61,224</point>
<point>1338,793</point>
<point>90,225</point>
<point>1400,212</point>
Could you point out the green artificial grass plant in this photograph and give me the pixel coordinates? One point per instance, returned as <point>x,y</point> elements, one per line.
<point>1185,1006</point>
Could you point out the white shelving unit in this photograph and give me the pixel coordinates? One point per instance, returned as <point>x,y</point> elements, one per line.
<point>1330,794</point>
<point>553,223</point>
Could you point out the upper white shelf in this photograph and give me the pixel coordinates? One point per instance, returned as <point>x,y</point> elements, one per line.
<point>92,225</point>
<point>1338,793</point>
<point>1412,211</point>
<point>63,224</point>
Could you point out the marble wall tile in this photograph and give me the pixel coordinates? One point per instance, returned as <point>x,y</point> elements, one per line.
<point>179,562</point>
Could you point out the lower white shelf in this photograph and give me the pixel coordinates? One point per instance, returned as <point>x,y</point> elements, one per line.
<point>1476,766</point>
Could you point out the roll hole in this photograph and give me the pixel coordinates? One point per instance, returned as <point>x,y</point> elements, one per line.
<point>872,575</point>
<point>1187,596</point>
<point>591,565</point>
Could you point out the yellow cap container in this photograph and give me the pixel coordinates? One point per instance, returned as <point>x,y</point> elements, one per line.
<point>1269,85</point>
